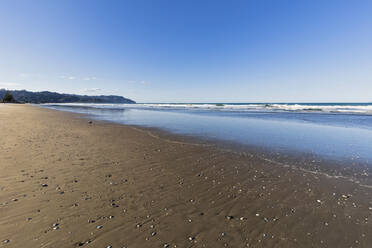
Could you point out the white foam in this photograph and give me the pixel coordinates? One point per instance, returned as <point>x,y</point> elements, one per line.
<point>357,109</point>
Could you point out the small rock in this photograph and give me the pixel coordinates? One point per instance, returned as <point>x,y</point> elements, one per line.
<point>44,185</point>
<point>99,227</point>
<point>153,233</point>
<point>6,241</point>
<point>191,238</point>
<point>229,217</point>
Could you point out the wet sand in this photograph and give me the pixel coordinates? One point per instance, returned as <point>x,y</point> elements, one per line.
<point>66,182</point>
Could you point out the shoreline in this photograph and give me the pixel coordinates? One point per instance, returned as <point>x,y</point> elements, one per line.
<point>348,169</point>
<point>176,193</point>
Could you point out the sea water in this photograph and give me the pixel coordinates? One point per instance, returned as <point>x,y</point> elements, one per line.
<point>334,130</point>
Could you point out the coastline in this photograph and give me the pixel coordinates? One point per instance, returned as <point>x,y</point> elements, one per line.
<point>176,192</point>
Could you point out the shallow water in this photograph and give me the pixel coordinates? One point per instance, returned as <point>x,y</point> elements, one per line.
<point>334,135</point>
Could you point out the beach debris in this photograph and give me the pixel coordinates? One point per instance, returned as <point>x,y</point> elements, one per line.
<point>55,226</point>
<point>44,185</point>
<point>242,218</point>
<point>6,241</point>
<point>191,238</point>
<point>99,227</point>
<point>223,234</point>
<point>229,217</point>
<point>166,246</point>
<point>153,233</point>
<point>346,196</point>
<point>138,225</point>
<point>109,246</point>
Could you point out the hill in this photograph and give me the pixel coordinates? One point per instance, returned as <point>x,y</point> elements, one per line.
<point>25,96</point>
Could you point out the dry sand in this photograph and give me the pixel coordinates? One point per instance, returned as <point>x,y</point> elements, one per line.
<point>65,182</point>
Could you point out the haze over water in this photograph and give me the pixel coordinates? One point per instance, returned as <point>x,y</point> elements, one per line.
<point>336,131</point>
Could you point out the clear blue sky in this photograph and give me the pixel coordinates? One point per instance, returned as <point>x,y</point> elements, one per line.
<point>190,51</point>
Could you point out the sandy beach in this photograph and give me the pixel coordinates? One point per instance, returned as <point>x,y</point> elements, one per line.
<point>66,181</point>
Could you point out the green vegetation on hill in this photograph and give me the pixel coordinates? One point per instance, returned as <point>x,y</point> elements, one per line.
<point>7,98</point>
<point>24,96</point>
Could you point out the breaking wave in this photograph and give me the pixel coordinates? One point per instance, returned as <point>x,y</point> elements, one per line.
<point>356,108</point>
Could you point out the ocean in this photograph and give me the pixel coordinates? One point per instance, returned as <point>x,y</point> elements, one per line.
<point>341,131</point>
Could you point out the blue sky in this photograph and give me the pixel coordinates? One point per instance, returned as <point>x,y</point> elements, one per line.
<point>190,51</point>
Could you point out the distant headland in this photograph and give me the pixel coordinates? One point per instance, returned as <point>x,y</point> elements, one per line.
<point>24,96</point>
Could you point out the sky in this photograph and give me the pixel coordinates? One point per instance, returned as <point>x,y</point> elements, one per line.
<point>191,50</point>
